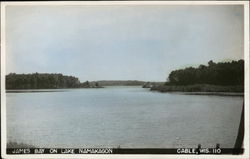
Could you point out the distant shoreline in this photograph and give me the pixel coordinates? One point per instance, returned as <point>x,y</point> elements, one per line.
<point>184,90</point>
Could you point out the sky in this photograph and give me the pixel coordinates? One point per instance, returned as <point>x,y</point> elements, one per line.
<point>121,42</point>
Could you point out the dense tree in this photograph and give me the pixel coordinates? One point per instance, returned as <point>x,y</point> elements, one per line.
<point>222,73</point>
<point>40,81</point>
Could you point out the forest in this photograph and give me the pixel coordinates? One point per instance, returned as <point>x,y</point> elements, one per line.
<point>221,73</point>
<point>40,81</point>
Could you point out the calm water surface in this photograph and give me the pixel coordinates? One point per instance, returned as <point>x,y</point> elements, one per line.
<point>121,116</point>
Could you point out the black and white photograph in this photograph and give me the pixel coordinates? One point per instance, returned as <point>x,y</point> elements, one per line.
<point>80,79</point>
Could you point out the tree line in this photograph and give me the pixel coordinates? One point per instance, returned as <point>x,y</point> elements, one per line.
<point>221,73</point>
<point>40,81</point>
<point>54,81</point>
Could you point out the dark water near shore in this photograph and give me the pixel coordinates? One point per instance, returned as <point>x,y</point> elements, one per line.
<point>122,116</point>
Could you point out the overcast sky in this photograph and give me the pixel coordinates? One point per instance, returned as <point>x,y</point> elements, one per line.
<point>120,42</point>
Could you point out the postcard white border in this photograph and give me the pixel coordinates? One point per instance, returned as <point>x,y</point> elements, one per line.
<point>56,3</point>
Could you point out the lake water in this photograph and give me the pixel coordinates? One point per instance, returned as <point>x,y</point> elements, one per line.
<point>131,117</point>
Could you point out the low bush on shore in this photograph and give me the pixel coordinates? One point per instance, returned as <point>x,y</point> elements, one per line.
<point>197,88</point>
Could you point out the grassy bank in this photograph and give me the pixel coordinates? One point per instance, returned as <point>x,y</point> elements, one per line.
<point>197,88</point>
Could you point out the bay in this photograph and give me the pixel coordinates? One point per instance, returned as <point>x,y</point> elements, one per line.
<point>126,117</point>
